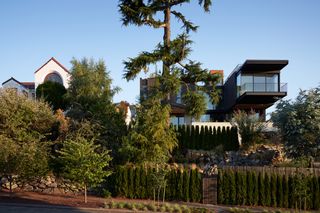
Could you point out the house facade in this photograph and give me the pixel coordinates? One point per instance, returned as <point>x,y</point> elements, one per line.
<point>254,85</point>
<point>52,70</point>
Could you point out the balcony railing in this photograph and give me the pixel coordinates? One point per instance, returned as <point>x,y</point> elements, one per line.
<point>262,87</point>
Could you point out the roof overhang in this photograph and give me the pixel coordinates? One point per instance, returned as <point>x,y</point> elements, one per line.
<point>266,98</point>
<point>256,66</point>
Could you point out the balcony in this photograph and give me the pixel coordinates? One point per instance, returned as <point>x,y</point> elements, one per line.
<point>261,93</point>
<point>262,88</point>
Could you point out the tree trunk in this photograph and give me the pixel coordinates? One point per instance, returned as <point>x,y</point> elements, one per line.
<point>166,39</point>
<point>85,193</point>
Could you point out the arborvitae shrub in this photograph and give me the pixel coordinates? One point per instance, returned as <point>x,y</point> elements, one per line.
<point>131,187</point>
<point>137,183</point>
<point>285,185</point>
<point>255,189</point>
<point>274,190</point>
<point>316,193</point>
<point>207,137</point>
<point>232,193</point>
<point>250,188</point>
<point>186,185</point>
<point>188,137</point>
<point>180,185</point>
<point>267,188</point>
<point>143,179</point>
<point>198,186</point>
<point>214,140</point>
<point>125,184</point>
<point>197,138</point>
<point>226,186</point>
<point>219,138</point>
<point>221,190</point>
<point>201,142</point>
<point>291,192</point>
<point>193,138</point>
<point>262,191</point>
<point>239,188</point>
<point>279,191</point>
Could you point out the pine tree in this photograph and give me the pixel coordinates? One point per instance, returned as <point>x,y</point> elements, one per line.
<point>172,53</point>
<point>262,195</point>
<point>280,191</point>
<point>285,192</point>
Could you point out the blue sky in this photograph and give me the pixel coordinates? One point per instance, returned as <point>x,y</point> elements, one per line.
<point>35,30</point>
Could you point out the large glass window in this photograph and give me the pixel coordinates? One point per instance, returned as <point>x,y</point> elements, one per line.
<point>259,83</point>
<point>246,83</point>
<point>272,83</point>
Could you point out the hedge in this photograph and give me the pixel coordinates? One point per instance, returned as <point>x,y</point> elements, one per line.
<point>136,182</point>
<point>207,138</point>
<point>274,190</point>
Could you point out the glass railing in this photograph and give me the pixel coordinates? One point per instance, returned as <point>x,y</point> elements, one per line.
<point>262,87</point>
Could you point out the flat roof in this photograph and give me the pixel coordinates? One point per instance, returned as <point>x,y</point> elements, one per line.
<point>263,65</point>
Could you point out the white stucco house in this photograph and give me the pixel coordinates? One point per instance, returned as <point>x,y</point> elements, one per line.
<point>52,70</point>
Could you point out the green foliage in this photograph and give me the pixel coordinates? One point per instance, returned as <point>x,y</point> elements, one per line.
<point>151,138</point>
<point>26,126</point>
<point>172,53</point>
<point>298,122</point>
<point>280,191</point>
<point>221,190</point>
<point>262,194</point>
<point>249,127</point>
<point>84,162</point>
<point>273,183</point>
<point>178,185</point>
<point>53,93</point>
<point>90,96</point>
<point>296,191</point>
<point>206,139</point>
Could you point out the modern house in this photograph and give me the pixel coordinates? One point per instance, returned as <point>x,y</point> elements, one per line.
<point>52,70</point>
<point>254,85</point>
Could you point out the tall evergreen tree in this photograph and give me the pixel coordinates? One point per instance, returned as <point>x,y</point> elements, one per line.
<point>172,53</point>
<point>186,184</point>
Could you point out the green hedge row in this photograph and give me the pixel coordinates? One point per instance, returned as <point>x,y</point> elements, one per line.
<point>137,182</point>
<point>207,138</point>
<point>252,188</point>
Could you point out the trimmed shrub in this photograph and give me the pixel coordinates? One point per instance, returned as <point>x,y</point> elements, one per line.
<point>273,190</point>
<point>279,191</point>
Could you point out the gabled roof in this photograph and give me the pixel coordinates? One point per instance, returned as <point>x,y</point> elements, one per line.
<point>13,79</point>
<point>57,62</point>
<point>27,85</point>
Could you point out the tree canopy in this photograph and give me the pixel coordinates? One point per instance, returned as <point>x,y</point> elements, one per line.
<point>299,123</point>
<point>177,70</point>
<point>53,93</point>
